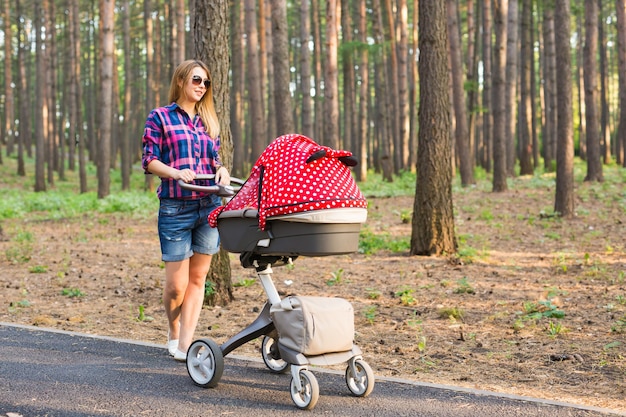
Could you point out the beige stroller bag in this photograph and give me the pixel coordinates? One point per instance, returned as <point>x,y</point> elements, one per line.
<point>314,325</point>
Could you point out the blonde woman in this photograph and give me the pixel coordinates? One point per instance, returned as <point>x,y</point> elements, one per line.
<point>180,141</point>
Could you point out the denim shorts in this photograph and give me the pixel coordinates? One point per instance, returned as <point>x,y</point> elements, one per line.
<point>184,228</point>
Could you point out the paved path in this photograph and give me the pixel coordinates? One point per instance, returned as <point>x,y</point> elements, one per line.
<point>52,373</point>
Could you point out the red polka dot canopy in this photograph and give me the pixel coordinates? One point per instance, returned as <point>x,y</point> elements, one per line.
<point>294,175</point>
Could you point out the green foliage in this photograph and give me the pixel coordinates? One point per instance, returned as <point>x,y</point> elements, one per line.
<point>72,292</point>
<point>464,287</point>
<point>619,326</point>
<point>38,269</point>
<point>370,242</point>
<point>370,314</point>
<point>209,289</point>
<point>336,278</point>
<point>406,296</point>
<point>542,309</point>
<point>452,313</point>
<point>247,282</point>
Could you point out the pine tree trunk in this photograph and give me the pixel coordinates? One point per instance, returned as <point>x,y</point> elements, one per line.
<point>564,198</point>
<point>500,113</point>
<point>432,229</point>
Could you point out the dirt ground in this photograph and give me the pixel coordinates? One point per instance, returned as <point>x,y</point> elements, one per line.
<point>533,305</point>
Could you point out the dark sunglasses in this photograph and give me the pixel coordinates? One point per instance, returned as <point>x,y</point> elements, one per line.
<point>197,80</point>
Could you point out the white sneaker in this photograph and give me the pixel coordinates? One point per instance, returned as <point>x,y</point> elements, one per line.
<point>180,356</point>
<point>172,346</point>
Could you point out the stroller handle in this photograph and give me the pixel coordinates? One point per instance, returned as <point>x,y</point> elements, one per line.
<point>219,189</point>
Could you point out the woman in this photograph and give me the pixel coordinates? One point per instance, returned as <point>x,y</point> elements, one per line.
<point>180,141</point>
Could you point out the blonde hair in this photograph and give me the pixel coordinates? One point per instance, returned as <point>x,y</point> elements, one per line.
<point>205,107</point>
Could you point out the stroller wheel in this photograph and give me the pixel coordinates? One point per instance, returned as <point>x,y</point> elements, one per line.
<point>271,356</point>
<point>205,363</point>
<point>360,378</point>
<point>307,397</point>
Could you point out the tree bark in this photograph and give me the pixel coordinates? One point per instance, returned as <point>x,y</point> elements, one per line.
<point>107,9</point>
<point>620,6</point>
<point>257,119</point>
<point>512,62</point>
<point>500,113</point>
<point>432,229</point>
<point>283,107</point>
<point>211,38</point>
<point>590,50</point>
<point>331,86</point>
<point>526,108</point>
<point>461,134</point>
<point>564,198</point>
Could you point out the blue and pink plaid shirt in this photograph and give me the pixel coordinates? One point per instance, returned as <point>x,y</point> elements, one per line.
<point>174,139</point>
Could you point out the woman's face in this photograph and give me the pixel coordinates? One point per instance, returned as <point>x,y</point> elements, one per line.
<point>196,85</point>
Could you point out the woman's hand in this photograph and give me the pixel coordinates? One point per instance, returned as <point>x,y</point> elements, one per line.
<point>187,175</point>
<point>222,176</point>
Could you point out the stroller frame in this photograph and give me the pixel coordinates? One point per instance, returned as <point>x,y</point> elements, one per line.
<point>205,358</point>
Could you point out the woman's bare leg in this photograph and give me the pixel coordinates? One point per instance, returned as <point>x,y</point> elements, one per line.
<point>199,265</point>
<point>176,281</point>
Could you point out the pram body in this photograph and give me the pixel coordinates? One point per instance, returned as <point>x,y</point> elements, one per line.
<point>285,210</point>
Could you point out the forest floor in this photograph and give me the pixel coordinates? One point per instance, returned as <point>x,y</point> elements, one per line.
<point>532,305</point>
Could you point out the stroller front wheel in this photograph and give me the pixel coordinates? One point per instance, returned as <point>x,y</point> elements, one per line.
<point>360,378</point>
<point>205,363</point>
<point>306,397</point>
<point>271,356</point>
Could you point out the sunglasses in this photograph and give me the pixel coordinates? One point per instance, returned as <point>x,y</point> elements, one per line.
<point>197,80</point>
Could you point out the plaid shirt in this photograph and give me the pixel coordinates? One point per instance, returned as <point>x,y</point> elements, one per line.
<point>174,139</point>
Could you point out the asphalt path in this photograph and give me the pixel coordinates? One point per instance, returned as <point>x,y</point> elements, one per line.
<point>52,373</point>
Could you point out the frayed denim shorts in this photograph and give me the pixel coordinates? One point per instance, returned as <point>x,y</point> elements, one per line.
<point>184,228</point>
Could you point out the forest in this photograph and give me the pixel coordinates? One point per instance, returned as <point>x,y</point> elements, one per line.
<point>343,72</point>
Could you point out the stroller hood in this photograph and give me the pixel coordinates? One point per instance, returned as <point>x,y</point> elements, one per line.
<point>294,175</point>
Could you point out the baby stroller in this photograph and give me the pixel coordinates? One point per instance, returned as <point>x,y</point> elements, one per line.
<point>300,200</point>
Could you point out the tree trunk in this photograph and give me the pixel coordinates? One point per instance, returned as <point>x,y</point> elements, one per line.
<point>257,119</point>
<point>127,133</point>
<point>24,127</point>
<point>237,92</point>
<point>349,96</point>
<point>512,62</point>
<point>620,6</point>
<point>590,50</point>
<point>486,153</point>
<point>382,105</point>
<point>549,88</point>
<point>40,104</point>
<point>393,93</point>
<point>107,9</point>
<point>9,103</point>
<point>331,86</point>
<point>500,113</point>
<point>282,74</point>
<point>458,95</point>
<point>318,117</point>
<point>305,71</point>
<point>361,150</point>
<point>526,107</point>
<point>564,198</point>
<point>211,35</point>
<point>403,86</point>
<point>432,229</point>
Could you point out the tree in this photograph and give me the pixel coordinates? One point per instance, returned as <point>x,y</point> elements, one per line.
<point>40,104</point>
<point>564,199</point>
<point>458,94</point>
<point>9,117</point>
<point>107,13</point>
<point>526,107</point>
<point>620,6</point>
<point>211,38</point>
<point>432,228</point>
<point>510,39</point>
<point>282,74</point>
<point>331,86</point>
<point>500,12</point>
<point>590,50</point>
<point>257,118</point>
